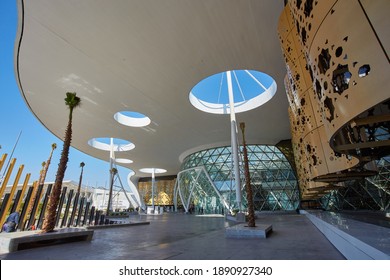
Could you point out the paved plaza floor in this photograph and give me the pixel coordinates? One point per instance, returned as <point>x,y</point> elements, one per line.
<point>177,236</point>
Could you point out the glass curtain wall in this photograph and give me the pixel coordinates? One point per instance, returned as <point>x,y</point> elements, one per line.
<point>371,193</point>
<point>205,185</point>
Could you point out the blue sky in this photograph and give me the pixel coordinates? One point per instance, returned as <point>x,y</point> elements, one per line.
<point>35,142</point>
<point>214,89</point>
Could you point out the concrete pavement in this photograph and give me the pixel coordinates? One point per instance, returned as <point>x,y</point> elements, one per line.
<point>177,236</point>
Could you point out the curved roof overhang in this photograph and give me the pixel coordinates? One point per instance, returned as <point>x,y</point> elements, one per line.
<point>146,56</point>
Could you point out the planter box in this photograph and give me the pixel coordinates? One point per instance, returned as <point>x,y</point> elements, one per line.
<point>242,231</point>
<point>15,241</point>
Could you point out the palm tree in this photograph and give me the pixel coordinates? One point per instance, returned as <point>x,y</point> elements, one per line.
<point>113,173</point>
<point>76,197</point>
<point>42,176</point>
<point>248,187</point>
<point>46,166</point>
<point>43,164</point>
<point>34,192</point>
<point>71,101</point>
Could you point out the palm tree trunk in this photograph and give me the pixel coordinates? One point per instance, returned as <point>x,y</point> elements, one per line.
<point>50,217</point>
<point>34,193</point>
<point>46,167</point>
<point>42,177</point>
<point>248,187</point>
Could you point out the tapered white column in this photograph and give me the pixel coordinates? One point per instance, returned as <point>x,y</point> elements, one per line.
<point>153,180</point>
<point>153,171</point>
<point>109,206</point>
<point>234,145</point>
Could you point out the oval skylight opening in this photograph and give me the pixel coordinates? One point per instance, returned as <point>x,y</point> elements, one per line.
<point>105,143</point>
<point>133,119</point>
<point>250,89</point>
<point>152,170</point>
<point>123,160</point>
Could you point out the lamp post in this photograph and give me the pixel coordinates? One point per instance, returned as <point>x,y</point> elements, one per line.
<point>82,164</point>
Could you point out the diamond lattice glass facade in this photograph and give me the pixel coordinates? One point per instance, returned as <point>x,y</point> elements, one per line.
<point>371,193</point>
<point>205,182</point>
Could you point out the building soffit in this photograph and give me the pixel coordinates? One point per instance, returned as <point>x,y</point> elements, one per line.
<point>145,56</point>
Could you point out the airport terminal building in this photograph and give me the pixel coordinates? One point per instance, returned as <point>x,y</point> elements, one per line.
<point>165,86</point>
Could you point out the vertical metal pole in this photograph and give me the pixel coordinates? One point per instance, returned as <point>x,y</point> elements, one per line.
<point>86,210</point>
<point>91,216</point>
<point>81,206</point>
<point>109,206</point>
<point>2,160</point>
<point>234,132</point>
<point>13,150</point>
<point>3,208</point>
<point>97,217</point>
<point>31,221</point>
<point>68,202</point>
<point>11,195</point>
<point>61,205</point>
<point>5,181</point>
<point>153,179</point>
<point>22,219</point>
<point>16,201</point>
<point>74,209</point>
<point>23,191</point>
<point>44,204</point>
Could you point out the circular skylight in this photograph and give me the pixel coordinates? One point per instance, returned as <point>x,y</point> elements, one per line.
<point>152,170</point>
<point>134,119</point>
<point>250,89</point>
<point>123,160</point>
<point>118,145</point>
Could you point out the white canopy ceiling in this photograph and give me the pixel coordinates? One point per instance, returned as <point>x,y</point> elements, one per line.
<point>146,56</point>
